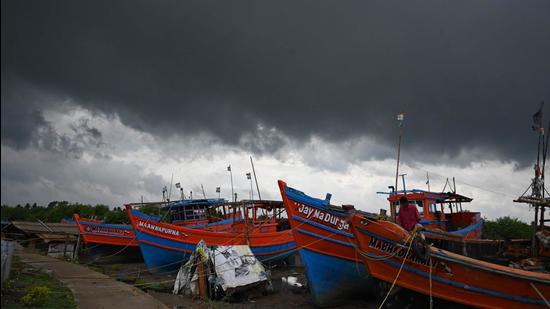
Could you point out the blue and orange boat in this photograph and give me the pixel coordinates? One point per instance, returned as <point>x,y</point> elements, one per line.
<point>326,245</point>
<point>441,212</point>
<point>390,254</point>
<point>166,245</point>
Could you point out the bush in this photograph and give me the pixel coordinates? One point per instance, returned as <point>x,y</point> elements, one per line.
<point>506,228</point>
<point>38,295</point>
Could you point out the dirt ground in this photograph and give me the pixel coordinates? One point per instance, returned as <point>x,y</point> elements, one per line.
<point>281,296</point>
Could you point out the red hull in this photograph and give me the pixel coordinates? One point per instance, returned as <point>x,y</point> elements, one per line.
<point>453,277</point>
<point>94,232</point>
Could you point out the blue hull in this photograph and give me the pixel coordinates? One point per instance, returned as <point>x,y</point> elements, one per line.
<point>163,255</point>
<point>101,253</point>
<point>166,255</point>
<point>334,280</point>
<point>170,256</point>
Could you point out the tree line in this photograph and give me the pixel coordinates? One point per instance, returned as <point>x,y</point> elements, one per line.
<point>59,210</point>
<point>500,228</point>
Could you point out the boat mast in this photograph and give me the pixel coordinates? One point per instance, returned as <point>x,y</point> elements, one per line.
<point>400,119</point>
<point>255,179</point>
<point>537,197</point>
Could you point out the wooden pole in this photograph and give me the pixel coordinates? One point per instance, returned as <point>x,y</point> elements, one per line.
<point>76,249</point>
<point>534,238</point>
<point>202,280</point>
<point>65,247</point>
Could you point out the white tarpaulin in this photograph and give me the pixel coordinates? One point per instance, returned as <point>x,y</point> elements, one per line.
<point>227,267</point>
<point>236,266</point>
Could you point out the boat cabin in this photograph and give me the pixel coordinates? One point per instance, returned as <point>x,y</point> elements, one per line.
<point>192,211</point>
<point>439,210</point>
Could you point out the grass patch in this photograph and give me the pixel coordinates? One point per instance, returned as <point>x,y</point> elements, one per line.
<point>148,285</point>
<point>28,287</point>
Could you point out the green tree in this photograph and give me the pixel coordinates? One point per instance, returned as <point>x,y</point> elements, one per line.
<point>506,228</point>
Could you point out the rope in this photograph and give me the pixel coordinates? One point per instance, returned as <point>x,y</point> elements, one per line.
<point>540,294</point>
<point>398,273</point>
<point>431,299</point>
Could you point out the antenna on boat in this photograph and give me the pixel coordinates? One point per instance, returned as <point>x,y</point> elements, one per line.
<point>164,191</point>
<point>203,194</point>
<point>178,186</point>
<point>428,180</point>
<point>249,177</point>
<point>403,179</point>
<point>255,178</point>
<point>232,190</point>
<point>170,194</point>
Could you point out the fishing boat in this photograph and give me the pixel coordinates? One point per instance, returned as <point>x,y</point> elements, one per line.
<point>394,255</point>
<point>166,245</point>
<point>104,239</point>
<point>447,224</point>
<point>390,253</point>
<point>326,246</point>
<point>432,207</point>
<point>96,232</point>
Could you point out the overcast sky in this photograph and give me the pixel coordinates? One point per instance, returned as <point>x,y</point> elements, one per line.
<point>103,101</point>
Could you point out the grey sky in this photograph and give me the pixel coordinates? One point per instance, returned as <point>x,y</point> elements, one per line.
<point>265,78</point>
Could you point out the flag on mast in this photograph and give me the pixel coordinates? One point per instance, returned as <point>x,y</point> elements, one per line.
<point>229,168</point>
<point>218,189</point>
<point>178,185</point>
<point>537,119</point>
<point>400,117</point>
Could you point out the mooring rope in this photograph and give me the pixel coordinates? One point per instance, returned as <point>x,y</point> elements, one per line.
<point>399,272</point>
<point>540,294</point>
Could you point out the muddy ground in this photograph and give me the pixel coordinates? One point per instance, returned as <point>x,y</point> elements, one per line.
<point>281,295</point>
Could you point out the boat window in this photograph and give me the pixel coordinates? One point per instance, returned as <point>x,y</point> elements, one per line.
<point>433,207</point>
<point>418,203</point>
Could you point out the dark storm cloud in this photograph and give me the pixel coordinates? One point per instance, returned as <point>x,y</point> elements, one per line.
<point>24,124</point>
<point>469,74</point>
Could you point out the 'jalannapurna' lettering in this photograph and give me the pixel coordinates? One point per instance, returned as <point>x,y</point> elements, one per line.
<point>157,228</point>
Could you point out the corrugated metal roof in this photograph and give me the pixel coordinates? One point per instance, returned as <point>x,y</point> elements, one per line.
<point>47,228</point>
